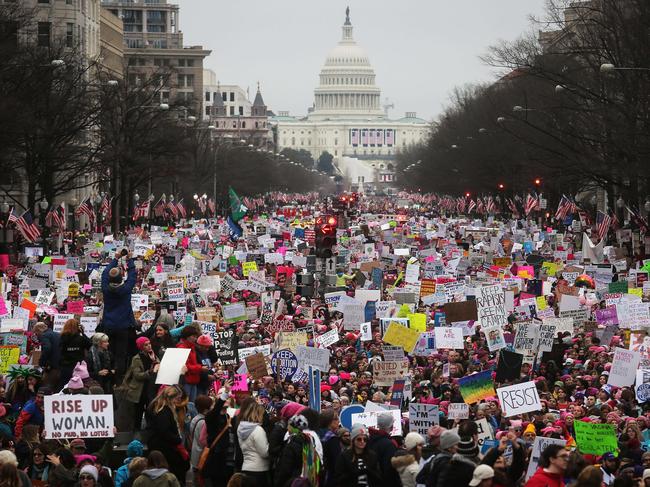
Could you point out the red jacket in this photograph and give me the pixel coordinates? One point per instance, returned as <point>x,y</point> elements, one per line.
<point>542,478</point>
<point>194,368</point>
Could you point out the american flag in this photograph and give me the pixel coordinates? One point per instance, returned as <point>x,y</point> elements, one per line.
<point>615,223</point>
<point>532,203</point>
<point>12,218</point>
<point>471,206</point>
<point>86,208</point>
<point>56,216</point>
<point>106,207</point>
<point>212,206</point>
<point>491,206</point>
<point>512,206</point>
<point>25,223</point>
<point>159,208</point>
<point>201,203</point>
<point>637,219</point>
<point>565,207</point>
<point>181,209</point>
<point>480,206</point>
<point>172,208</point>
<point>141,210</point>
<point>603,222</point>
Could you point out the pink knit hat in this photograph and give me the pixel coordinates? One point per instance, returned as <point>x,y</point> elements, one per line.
<point>75,383</point>
<point>81,370</point>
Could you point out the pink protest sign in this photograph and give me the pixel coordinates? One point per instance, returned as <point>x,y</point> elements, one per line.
<point>240,384</point>
<point>4,261</point>
<point>75,307</point>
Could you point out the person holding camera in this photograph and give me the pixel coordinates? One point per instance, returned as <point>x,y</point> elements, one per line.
<point>118,316</point>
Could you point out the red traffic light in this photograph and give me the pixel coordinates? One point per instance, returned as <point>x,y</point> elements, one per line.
<point>538,181</point>
<point>331,220</point>
<point>467,195</point>
<point>501,186</point>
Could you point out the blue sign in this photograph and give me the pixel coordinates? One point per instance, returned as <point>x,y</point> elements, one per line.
<point>345,417</point>
<point>284,364</point>
<point>313,376</point>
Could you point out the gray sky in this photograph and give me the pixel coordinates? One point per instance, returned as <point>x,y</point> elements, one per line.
<point>420,49</point>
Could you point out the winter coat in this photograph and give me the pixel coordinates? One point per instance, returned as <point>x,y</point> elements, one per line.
<point>118,313</point>
<point>385,448</point>
<point>459,471</point>
<point>97,360</point>
<point>50,349</point>
<point>347,469</point>
<point>165,436</point>
<point>136,379</point>
<point>276,440</point>
<point>254,446</point>
<point>289,465</point>
<point>122,473</point>
<point>73,349</point>
<point>215,422</point>
<point>407,467</point>
<point>332,448</point>
<point>516,468</point>
<point>156,477</point>
<point>196,448</point>
<point>542,478</point>
<point>194,368</point>
<point>438,465</point>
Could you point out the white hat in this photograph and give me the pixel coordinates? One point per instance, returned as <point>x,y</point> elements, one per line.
<point>481,473</point>
<point>412,440</point>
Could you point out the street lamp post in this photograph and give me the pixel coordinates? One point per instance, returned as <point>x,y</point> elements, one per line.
<point>4,210</point>
<point>42,207</point>
<point>98,201</point>
<point>73,203</point>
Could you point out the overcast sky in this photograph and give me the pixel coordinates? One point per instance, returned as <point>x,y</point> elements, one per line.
<point>420,49</point>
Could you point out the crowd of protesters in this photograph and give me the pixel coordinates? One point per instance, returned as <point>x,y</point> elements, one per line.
<point>204,431</point>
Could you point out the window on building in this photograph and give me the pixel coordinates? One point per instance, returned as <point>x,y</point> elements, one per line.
<point>243,125</point>
<point>43,1</point>
<point>189,63</point>
<point>207,111</point>
<point>132,20</point>
<point>207,96</point>
<point>224,96</point>
<point>156,21</point>
<point>44,34</point>
<point>160,62</point>
<point>257,125</point>
<point>181,63</point>
<point>234,124</point>
<point>185,80</point>
<point>68,2</point>
<point>134,43</point>
<point>284,141</point>
<point>159,43</point>
<point>232,96</point>
<point>241,110</point>
<point>293,141</point>
<point>232,110</point>
<point>336,141</point>
<point>302,141</point>
<point>69,34</point>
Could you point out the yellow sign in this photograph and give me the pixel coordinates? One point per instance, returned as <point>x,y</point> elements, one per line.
<point>247,267</point>
<point>551,268</point>
<point>637,291</point>
<point>8,356</point>
<point>291,339</point>
<point>73,290</point>
<point>417,321</point>
<point>541,303</point>
<point>400,336</point>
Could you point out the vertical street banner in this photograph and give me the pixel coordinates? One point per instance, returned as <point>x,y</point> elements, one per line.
<point>313,381</point>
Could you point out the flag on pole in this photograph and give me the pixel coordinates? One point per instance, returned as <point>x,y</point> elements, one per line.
<point>105,207</point>
<point>212,207</point>
<point>86,208</point>
<point>237,209</point>
<point>141,210</point>
<point>471,206</point>
<point>532,203</point>
<point>603,222</point>
<point>235,230</point>
<point>159,208</point>
<point>565,207</point>
<point>637,219</point>
<point>181,209</point>
<point>172,208</point>
<point>25,223</point>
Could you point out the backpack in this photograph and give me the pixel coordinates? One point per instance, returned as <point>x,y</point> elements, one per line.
<point>425,471</point>
<point>437,465</point>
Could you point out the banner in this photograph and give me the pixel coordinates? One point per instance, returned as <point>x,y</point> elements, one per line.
<point>476,387</point>
<point>77,416</point>
<point>450,338</point>
<point>386,373</point>
<point>519,399</point>
<point>624,365</point>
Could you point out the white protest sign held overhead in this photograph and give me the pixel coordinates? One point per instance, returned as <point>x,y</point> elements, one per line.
<point>328,339</point>
<point>448,337</point>
<point>369,420</point>
<point>366,331</point>
<point>519,399</point>
<point>624,365</point>
<point>318,358</point>
<point>171,364</point>
<point>78,416</point>
<point>60,319</point>
<point>458,410</point>
<point>491,306</point>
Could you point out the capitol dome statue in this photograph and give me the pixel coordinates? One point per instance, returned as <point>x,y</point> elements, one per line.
<point>347,87</point>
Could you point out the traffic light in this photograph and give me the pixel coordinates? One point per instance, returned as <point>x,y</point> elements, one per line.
<point>325,230</point>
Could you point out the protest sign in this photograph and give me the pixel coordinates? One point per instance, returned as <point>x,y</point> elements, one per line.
<point>540,444</point>
<point>369,420</point>
<point>60,319</point>
<point>422,417</point>
<point>78,416</point>
<point>256,365</point>
<point>595,438</point>
<point>526,338</point>
<point>385,309</point>
<point>328,339</point>
<point>175,291</point>
<point>292,339</point>
<point>171,364</point>
<point>392,354</point>
<point>386,373</point>
<point>248,267</point>
<point>519,398</point>
<point>547,333</point>
<point>248,351</point>
<point>491,306</point>
<point>476,387</point>
<point>624,367</point>
<point>450,338</point>
<point>240,383</point>
<point>75,307</point>
<point>461,311</point>
<point>9,356</point>
<point>366,331</point>
<point>401,336</point>
<point>284,364</point>
<point>234,312</point>
<point>484,432</point>
<point>89,324</point>
<point>353,315</point>
<point>458,410</point>
<point>318,358</point>
<point>226,346</point>
<point>495,339</point>
<point>8,324</point>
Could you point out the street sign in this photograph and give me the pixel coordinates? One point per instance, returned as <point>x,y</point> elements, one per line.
<point>330,266</point>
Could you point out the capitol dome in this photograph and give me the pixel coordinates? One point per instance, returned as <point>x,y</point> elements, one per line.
<point>347,82</point>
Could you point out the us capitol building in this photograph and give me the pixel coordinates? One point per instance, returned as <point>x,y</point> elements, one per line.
<point>348,121</point>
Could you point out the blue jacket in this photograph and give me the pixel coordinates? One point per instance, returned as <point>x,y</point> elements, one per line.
<point>122,473</point>
<point>50,349</point>
<point>118,313</point>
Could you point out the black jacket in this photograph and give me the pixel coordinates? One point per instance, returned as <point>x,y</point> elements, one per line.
<point>384,447</point>
<point>215,422</point>
<point>50,349</point>
<point>516,468</point>
<point>459,472</point>
<point>289,465</point>
<point>347,471</point>
<point>73,349</point>
<point>437,466</point>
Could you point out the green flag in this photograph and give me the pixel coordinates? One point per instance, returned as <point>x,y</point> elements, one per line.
<point>237,209</point>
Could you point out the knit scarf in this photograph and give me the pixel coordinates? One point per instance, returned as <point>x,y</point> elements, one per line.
<point>311,461</point>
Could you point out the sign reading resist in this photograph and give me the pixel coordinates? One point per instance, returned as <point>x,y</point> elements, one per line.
<point>519,399</point>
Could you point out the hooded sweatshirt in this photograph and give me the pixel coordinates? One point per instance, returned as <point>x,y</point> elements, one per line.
<point>156,477</point>
<point>254,446</point>
<point>542,478</point>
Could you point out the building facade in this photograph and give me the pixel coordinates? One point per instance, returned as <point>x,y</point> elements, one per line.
<point>153,45</point>
<point>348,121</point>
<point>235,98</point>
<point>112,44</point>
